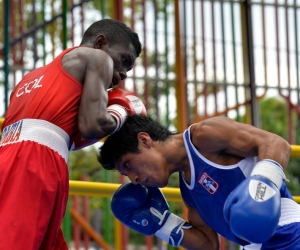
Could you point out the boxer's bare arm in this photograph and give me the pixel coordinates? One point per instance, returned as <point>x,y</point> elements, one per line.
<point>94,70</point>
<point>200,236</point>
<point>220,137</point>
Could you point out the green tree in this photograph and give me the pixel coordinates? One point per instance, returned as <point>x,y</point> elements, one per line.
<point>273,115</point>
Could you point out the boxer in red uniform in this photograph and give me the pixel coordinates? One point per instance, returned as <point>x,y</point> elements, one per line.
<point>49,110</point>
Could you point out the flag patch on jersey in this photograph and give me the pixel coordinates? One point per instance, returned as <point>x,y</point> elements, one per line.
<point>208,183</point>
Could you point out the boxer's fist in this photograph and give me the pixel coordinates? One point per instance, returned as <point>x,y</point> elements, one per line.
<point>253,209</point>
<point>145,210</point>
<point>122,103</point>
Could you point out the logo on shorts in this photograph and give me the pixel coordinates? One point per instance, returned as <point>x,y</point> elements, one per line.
<point>208,183</point>
<point>12,132</point>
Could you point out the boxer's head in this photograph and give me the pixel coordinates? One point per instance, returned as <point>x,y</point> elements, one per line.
<point>126,140</point>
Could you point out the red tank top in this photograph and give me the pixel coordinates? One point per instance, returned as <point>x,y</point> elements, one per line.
<point>48,93</point>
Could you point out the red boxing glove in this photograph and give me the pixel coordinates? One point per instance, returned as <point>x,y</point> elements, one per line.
<point>122,103</point>
<point>79,143</point>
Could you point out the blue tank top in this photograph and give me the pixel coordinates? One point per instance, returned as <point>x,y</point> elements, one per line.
<point>211,184</point>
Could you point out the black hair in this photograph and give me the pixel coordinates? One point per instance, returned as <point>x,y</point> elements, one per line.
<point>115,31</point>
<point>125,140</point>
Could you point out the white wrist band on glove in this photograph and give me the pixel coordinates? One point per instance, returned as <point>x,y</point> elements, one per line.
<point>119,114</point>
<point>167,232</point>
<point>271,170</point>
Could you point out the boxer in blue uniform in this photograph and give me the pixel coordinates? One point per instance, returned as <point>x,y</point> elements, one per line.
<point>231,179</point>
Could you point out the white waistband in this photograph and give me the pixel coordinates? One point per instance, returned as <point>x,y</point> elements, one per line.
<point>290,212</point>
<point>40,131</point>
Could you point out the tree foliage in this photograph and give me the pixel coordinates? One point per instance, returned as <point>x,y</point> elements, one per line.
<point>273,114</point>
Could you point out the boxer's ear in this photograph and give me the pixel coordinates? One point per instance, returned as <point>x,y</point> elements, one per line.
<point>145,139</point>
<point>100,41</point>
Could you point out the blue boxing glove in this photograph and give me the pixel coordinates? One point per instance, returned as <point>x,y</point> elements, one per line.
<point>145,210</point>
<point>253,208</point>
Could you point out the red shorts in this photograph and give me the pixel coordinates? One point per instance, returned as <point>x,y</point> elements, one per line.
<point>34,187</point>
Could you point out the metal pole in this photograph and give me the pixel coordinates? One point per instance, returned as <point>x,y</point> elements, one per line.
<point>249,61</point>
<point>167,88</point>
<point>6,52</point>
<point>234,55</point>
<point>65,29</point>
<point>254,110</point>
<point>181,93</point>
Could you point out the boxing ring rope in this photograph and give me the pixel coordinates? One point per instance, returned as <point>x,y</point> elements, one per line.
<point>295,151</point>
<point>107,189</point>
